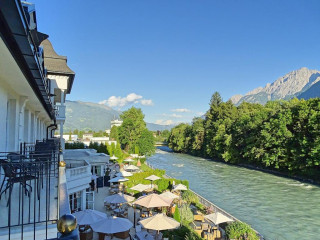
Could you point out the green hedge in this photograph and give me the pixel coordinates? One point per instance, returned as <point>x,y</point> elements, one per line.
<point>240,231</point>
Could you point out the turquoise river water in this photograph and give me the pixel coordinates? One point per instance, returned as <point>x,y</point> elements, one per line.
<point>278,208</point>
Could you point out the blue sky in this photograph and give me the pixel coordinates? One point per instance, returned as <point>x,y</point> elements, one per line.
<point>169,56</point>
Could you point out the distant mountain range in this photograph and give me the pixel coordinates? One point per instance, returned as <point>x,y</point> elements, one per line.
<point>96,117</point>
<point>301,83</point>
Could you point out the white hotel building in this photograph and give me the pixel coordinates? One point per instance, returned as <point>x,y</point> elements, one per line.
<point>36,187</point>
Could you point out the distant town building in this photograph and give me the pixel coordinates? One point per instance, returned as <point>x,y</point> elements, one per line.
<point>108,131</point>
<point>68,138</point>
<point>87,136</point>
<point>116,123</point>
<point>100,140</point>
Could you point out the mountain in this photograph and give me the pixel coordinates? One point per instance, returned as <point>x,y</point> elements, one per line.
<point>293,84</point>
<point>94,116</point>
<point>312,92</point>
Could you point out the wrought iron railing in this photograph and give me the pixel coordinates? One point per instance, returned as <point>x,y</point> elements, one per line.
<point>28,191</point>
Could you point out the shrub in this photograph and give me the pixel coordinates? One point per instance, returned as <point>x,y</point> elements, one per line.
<point>75,145</point>
<point>190,197</point>
<point>142,160</point>
<point>240,231</point>
<point>176,215</point>
<point>163,184</point>
<point>182,233</point>
<point>186,214</point>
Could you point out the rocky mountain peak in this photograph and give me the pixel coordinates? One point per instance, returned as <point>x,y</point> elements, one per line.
<point>290,85</point>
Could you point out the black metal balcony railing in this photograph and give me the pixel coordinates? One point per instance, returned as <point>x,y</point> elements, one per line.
<point>28,190</point>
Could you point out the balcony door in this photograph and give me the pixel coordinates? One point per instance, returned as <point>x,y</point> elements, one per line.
<point>90,200</point>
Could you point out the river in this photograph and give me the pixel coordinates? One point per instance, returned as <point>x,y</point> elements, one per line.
<point>277,207</point>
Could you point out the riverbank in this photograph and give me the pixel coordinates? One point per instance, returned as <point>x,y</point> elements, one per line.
<point>272,205</point>
<point>257,168</point>
<point>208,203</point>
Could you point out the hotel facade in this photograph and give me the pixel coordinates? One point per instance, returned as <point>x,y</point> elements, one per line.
<point>38,185</point>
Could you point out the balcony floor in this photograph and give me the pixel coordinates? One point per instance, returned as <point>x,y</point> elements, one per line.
<point>33,209</point>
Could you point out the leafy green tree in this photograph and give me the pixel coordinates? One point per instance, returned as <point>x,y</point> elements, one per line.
<point>131,128</point>
<point>146,143</point>
<point>114,135</point>
<point>281,135</point>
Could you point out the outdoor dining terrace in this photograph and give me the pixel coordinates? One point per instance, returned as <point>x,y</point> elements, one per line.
<point>137,206</point>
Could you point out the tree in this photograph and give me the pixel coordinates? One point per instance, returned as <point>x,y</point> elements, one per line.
<point>146,143</point>
<point>114,135</point>
<point>131,128</point>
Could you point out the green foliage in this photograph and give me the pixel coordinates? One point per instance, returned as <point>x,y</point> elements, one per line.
<point>189,197</point>
<point>131,128</point>
<point>176,215</point>
<point>133,133</point>
<point>142,160</point>
<point>281,135</point>
<point>118,153</point>
<point>136,149</point>
<point>75,145</point>
<point>101,148</point>
<point>182,233</point>
<point>114,133</point>
<point>163,184</point>
<point>240,231</point>
<point>146,143</point>
<point>186,214</point>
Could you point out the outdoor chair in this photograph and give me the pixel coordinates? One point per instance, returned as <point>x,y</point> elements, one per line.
<point>138,228</point>
<point>15,173</point>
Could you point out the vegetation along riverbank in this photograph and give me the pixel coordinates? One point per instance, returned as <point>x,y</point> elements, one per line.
<point>281,136</point>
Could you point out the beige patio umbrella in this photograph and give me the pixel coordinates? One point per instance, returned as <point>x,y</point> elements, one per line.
<point>141,187</point>
<point>131,168</point>
<point>113,157</point>
<point>112,225</point>
<point>169,195</point>
<point>128,160</point>
<point>152,178</point>
<point>218,218</point>
<point>159,222</point>
<point>153,200</point>
<point>124,174</point>
<point>118,198</point>
<point>118,179</point>
<point>180,187</point>
<point>89,216</point>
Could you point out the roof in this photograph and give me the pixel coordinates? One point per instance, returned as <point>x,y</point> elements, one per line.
<point>54,62</point>
<point>89,155</point>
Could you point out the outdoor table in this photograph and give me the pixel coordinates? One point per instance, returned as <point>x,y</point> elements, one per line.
<point>144,235</point>
<point>122,235</point>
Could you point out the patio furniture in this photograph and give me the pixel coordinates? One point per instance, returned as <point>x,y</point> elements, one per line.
<point>122,235</point>
<point>144,235</point>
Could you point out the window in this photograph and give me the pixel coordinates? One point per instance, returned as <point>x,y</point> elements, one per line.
<point>75,201</point>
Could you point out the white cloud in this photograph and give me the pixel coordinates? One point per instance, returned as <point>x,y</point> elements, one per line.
<point>200,113</point>
<point>131,98</point>
<point>164,122</point>
<point>146,102</point>
<point>172,115</point>
<point>181,110</point>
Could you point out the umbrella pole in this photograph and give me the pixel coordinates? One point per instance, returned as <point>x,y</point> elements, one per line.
<point>134,215</point>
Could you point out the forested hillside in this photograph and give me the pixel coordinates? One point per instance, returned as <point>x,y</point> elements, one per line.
<point>281,135</point>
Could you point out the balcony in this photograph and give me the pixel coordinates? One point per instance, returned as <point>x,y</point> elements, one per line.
<point>60,111</point>
<point>33,192</point>
<point>78,173</point>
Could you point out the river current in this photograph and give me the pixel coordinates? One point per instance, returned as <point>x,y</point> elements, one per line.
<point>279,208</point>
